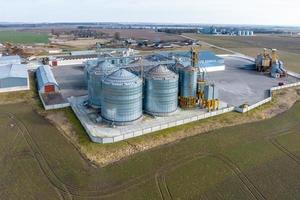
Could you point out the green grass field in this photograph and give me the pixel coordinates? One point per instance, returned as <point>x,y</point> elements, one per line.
<point>23,37</point>
<point>288,47</point>
<point>258,160</point>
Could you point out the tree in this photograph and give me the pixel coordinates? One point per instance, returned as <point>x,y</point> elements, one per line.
<point>117,36</point>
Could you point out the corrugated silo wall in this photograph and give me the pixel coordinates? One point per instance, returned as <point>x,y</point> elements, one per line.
<point>188,80</point>
<point>95,88</point>
<point>12,82</point>
<point>161,96</point>
<point>122,103</point>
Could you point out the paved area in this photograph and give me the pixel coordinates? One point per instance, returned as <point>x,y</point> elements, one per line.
<point>70,80</point>
<point>240,83</point>
<point>53,99</point>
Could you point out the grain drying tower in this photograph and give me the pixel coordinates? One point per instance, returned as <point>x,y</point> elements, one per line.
<point>161,91</point>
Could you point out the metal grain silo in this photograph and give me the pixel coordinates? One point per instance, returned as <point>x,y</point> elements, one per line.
<point>122,101</point>
<point>89,65</point>
<point>188,87</point>
<point>161,91</point>
<point>95,77</point>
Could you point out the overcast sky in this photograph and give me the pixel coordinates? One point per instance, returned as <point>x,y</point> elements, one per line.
<point>265,12</point>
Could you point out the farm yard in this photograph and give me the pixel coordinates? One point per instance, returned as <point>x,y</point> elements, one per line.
<point>288,47</point>
<point>258,160</point>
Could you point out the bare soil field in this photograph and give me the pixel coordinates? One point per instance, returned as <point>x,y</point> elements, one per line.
<point>82,44</point>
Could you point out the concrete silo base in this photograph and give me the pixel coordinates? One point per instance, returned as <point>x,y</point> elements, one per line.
<point>116,123</point>
<point>156,114</point>
<point>100,131</point>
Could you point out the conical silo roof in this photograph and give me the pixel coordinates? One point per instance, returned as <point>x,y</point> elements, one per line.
<point>122,77</point>
<point>161,72</point>
<point>105,68</point>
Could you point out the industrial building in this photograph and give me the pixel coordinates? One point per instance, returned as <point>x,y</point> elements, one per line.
<point>49,90</point>
<point>45,80</point>
<point>13,77</point>
<point>210,62</point>
<point>71,60</point>
<point>79,58</point>
<point>5,60</point>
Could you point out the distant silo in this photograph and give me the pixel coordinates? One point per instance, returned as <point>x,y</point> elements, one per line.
<point>161,91</point>
<point>122,97</point>
<point>188,87</point>
<point>95,76</point>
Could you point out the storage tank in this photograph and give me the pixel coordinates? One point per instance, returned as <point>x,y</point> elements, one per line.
<point>122,100</point>
<point>95,76</point>
<point>89,65</point>
<point>210,92</point>
<point>188,87</point>
<point>161,91</point>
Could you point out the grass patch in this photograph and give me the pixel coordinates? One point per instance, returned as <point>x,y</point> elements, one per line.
<point>23,37</point>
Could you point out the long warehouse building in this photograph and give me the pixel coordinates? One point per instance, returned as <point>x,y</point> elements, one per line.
<point>13,77</point>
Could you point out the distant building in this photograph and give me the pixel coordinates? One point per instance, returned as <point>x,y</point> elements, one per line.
<point>46,81</point>
<point>55,51</point>
<point>81,53</point>
<point>13,77</point>
<point>5,60</point>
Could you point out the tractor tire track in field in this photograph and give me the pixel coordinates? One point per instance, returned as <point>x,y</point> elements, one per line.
<point>63,194</point>
<point>165,193</point>
<point>250,186</point>
<point>284,150</point>
<point>10,147</point>
<point>67,192</point>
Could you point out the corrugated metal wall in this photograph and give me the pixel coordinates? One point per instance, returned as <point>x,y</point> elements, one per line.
<point>188,80</point>
<point>12,82</point>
